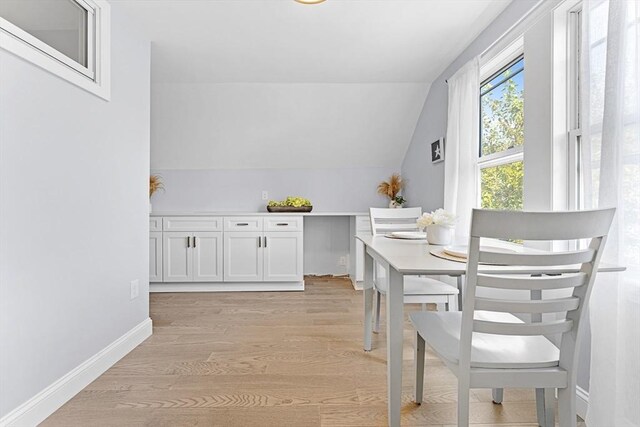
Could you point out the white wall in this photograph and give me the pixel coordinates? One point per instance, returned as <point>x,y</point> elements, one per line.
<point>275,125</point>
<point>340,189</point>
<point>73,215</point>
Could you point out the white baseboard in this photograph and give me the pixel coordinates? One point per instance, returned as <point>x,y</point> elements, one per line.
<point>582,402</point>
<point>45,403</point>
<point>226,287</point>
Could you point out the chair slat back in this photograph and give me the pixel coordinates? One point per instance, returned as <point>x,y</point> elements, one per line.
<point>532,283</point>
<point>540,225</point>
<point>537,259</point>
<point>523,329</point>
<point>385,220</point>
<point>567,312</point>
<point>557,305</point>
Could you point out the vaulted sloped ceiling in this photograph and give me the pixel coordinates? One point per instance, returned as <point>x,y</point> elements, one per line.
<point>277,84</point>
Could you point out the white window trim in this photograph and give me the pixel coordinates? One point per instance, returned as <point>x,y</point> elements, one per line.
<point>490,65</point>
<point>96,78</point>
<point>506,47</point>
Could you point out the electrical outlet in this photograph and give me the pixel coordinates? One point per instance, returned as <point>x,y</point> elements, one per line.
<point>265,195</point>
<point>342,261</point>
<point>135,289</point>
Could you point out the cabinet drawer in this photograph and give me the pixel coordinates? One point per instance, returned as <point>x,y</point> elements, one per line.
<point>283,223</point>
<point>192,223</point>
<point>155,223</point>
<point>243,223</point>
<point>363,223</point>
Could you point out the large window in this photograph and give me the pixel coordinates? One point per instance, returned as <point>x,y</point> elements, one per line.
<point>500,153</point>
<point>66,37</point>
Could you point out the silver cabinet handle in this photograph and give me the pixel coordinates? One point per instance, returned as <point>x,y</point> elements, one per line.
<point>259,242</point>
<point>188,241</point>
<point>242,224</point>
<point>194,241</point>
<point>265,241</point>
<point>282,224</point>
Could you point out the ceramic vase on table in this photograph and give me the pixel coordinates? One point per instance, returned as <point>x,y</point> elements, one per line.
<point>439,234</point>
<point>394,205</point>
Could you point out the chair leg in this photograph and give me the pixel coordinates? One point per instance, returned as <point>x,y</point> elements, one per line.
<point>419,365</point>
<point>376,324</point>
<point>567,405</point>
<point>463,404</point>
<point>546,407</point>
<point>549,415</point>
<point>540,407</point>
<point>497,395</point>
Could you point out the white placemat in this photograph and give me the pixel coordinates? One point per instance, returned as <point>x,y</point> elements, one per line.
<point>440,253</point>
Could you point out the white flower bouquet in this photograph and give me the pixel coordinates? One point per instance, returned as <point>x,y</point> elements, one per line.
<point>439,226</point>
<point>437,217</point>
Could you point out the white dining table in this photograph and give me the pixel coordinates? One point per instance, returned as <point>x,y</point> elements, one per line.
<point>412,257</point>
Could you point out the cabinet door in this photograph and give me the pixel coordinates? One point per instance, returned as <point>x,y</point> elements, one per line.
<point>243,256</point>
<point>177,256</point>
<point>283,257</point>
<point>155,256</point>
<point>207,256</point>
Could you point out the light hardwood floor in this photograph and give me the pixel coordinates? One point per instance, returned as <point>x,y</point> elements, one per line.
<point>271,359</point>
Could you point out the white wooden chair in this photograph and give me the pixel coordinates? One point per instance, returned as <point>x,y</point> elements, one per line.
<point>417,290</point>
<point>485,345</point>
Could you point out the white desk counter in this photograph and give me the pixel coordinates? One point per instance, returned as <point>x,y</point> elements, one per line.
<point>329,246</point>
<point>263,213</point>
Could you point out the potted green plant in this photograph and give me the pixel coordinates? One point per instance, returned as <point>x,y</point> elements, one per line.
<point>290,204</point>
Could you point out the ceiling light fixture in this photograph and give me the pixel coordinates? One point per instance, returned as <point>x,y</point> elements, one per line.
<point>309,1</point>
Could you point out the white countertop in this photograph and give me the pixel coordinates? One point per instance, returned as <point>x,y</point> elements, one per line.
<point>264,213</point>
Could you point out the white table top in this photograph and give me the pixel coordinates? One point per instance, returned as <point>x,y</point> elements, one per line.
<point>414,257</point>
<point>263,213</point>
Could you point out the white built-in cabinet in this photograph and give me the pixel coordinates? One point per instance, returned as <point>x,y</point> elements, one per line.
<point>358,224</point>
<point>192,256</point>
<point>155,249</point>
<point>263,249</point>
<point>192,249</point>
<point>243,256</point>
<point>232,250</point>
<point>282,256</point>
<point>155,256</point>
<point>207,256</point>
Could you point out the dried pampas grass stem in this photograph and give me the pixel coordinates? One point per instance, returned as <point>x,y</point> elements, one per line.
<point>155,184</point>
<point>392,187</point>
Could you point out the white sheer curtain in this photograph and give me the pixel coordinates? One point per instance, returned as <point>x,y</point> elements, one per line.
<point>461,146</point>
<point>610,122</point>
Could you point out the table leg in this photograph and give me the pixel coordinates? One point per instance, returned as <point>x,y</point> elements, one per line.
<point>368,300</point>
<point>395,331</point>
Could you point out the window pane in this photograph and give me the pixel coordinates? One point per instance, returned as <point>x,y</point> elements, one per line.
<point>61,24</point>
<point>501,187</point>
<point>502,110</point>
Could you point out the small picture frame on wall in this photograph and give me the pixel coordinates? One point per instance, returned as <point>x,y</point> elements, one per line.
<point>437,151</point>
